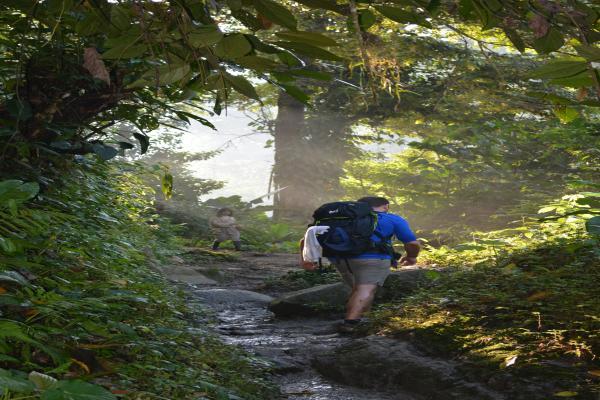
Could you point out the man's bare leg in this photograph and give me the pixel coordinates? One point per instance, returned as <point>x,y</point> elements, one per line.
<point>360,300</point>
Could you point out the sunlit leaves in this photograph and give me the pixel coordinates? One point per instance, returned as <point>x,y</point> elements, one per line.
<point>167,185</point>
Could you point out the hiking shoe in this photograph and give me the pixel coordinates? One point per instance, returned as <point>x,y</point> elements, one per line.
<point>346,327</point>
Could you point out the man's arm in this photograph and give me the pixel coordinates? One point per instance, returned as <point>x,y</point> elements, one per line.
<point>411,244</point>
<point>412,251</point>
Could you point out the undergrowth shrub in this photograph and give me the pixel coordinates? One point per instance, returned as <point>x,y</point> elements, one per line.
<point>524,300</point>
<point>82,298</point>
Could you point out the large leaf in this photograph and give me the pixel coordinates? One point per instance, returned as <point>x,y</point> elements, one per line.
<point>203,36</point>
<point>590,53</point>
<point>566,114</point>
<point>126,49</point>
<point>167,185</point>
<point>309,50</point>
<point>552,41</point>
<point>366,18</point>
<point>592,225</point>
<point>241,85</point>
<point>233,46</point>
<point>583,79</point>
<point>119,17</point>
<point>257,63</point>
<point>13,277</point>
<point>249,20</point>
<point>76,390</point>
<point>17,191</point>
<point>560,69</point>
<point>515,39</point>
<point>276,13</point>
<point>312,38</point>
<point>144,141</point>
<point>15,382</point>
<point>402,16</point>
<point>324,4</point>
<point>166,74</point>
<point>296,93</point>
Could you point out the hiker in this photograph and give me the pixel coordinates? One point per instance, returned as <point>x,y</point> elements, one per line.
<point>363,255</point>
<point>226,228</point>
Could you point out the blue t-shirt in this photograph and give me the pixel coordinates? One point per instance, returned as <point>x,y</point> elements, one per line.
<point>389,225</point>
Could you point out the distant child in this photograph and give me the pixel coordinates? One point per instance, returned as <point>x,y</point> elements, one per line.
<point>225,228</point>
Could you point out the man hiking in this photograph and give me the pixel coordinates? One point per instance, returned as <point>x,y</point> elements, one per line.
<point>366,271</point>
<point>225,227</point>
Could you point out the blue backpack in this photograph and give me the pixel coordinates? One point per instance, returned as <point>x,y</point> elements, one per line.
<point>351,227</point>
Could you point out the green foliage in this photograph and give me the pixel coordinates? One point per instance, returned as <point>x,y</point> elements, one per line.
<point>92,66</point>
<point>81,296</point>
<point>528,294</point>
<point>480,177</point>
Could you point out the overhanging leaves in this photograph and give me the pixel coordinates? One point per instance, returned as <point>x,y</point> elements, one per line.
<point>276,13</point>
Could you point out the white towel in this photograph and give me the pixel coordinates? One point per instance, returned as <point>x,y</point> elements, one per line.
<point>312,250</point>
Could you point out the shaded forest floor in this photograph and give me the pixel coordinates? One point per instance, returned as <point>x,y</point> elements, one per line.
<point>501,326</point>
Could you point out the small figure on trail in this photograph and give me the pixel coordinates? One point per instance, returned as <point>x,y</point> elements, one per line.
<point>356,237</point>
<point>225,228</point>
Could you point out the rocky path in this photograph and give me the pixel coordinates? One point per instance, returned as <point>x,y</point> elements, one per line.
<point>309,359</point>
<point>236,294</point>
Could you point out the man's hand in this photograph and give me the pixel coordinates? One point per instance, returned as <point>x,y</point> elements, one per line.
<point>405,260</point>
<point>309,266</point>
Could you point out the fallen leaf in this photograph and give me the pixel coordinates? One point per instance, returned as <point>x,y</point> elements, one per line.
<point>92,61</point>
<point>566,394</point>
<point>510,360</point>
<point>595,372</point>
<point>2,290</point>
<point>82,365</point>
<point>539,295</point>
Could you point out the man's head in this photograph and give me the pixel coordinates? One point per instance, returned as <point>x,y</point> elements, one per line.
<point>377,203</point>
<point>224,211</point>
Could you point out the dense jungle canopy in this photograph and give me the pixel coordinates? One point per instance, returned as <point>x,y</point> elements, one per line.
<point>496,104</point>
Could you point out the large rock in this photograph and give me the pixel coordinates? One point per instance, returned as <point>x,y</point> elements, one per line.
<point>402,283</point>
<point>311,301</point>
<point>333,297</point>
<point>219,298</point>
<point>387,364</point>
<point>187,275</point>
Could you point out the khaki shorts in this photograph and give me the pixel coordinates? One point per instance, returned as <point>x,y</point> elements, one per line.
<point>363,271</point>
<point>228,234</point>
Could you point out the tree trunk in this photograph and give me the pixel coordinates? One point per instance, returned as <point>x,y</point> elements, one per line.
<point>287,172</point>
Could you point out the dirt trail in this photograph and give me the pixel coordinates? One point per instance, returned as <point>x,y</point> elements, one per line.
<point>237,295</point>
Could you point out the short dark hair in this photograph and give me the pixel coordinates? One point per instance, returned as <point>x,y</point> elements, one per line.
<point>374,201</point>
<point>224,210</point>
